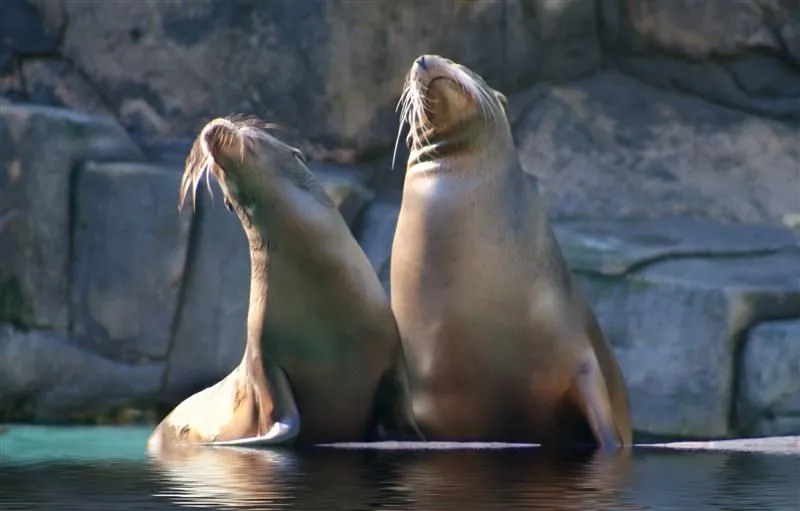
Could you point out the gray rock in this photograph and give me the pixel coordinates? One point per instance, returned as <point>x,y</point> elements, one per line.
<point>210,331</point>
<point>56,82</point>
<point>23,35</point>
<point>332,70</point>
<point>549,40</point>
<point>769,381</point>
<point>774,425</point>
<point>345,185</point>
<point>702,29</point>
<point>12,87</point>
<point>22,30</point>
<point>752,83</point>
<point>376,235</point>
<point>743,54</point>
<point>39,147</point>
<point>614,248</point>
<point>130,249</point>
<point>45,375</point>
<point>610,147</point>
<point>675,326</point>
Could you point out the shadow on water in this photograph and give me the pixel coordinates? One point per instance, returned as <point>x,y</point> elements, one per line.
<point>97,469</point>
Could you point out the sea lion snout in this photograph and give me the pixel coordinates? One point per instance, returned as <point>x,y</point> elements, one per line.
<point>222,139</point>
<point>429,67</point>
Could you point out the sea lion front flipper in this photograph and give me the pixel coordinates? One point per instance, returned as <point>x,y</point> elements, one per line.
<point>591,386</point>
<point>283,431</point>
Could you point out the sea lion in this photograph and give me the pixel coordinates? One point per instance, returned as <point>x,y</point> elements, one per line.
<point>322,343</point>
<point>501,344</point>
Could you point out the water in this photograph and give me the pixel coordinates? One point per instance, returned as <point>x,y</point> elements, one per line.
<point>106,469</point>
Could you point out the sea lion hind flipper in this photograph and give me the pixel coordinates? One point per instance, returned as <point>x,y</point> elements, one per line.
<point>591,386</point>
<point>283,431</point>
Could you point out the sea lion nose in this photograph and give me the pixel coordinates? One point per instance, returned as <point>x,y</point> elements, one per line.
<point>421,63</point>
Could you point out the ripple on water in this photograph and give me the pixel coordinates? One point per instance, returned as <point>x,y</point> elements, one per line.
<point>104,469</point>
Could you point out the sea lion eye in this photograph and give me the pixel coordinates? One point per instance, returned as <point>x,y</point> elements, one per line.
<point>299,155</point>
<point>228,204</point>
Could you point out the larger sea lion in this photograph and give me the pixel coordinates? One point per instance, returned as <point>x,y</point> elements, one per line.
<point>322,343</point>
<point>500,342</point>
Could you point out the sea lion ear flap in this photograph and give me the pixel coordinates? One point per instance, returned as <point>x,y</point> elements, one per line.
<point>502,99</point>
<point>297,153</point>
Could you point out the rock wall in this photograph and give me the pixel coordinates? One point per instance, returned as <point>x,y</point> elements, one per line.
<point>664,136</point>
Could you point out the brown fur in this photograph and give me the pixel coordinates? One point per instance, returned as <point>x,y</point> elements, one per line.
<point>322,341</point>
<point>501,344</point>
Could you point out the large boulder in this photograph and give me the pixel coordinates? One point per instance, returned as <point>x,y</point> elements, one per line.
<point>39,148</point>
<point>742,53</point>
<point>677,312</point>
<point>130,251</point>
<point>332,70</point>
<point>611,147</point>
<point>45,375</point>
<point>769,384</point>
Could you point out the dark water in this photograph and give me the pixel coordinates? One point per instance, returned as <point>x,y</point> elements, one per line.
<point>106,469</point>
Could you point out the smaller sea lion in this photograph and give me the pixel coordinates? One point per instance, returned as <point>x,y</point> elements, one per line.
<point>501,343</point>
<point>322,342</point>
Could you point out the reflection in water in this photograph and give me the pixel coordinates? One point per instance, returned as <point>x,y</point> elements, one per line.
<point>514,479</point>
<point>331,479</point>
<point>212,477</point>
<point>366,479</point>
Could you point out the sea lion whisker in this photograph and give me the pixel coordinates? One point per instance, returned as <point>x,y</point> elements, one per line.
<point>397,142</point>
<point>207,171</point>
<point>485,102</point>
<point>403,100</point>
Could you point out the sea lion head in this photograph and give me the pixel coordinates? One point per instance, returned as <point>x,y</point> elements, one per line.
<point>449,107</point>
<point>250,166</point>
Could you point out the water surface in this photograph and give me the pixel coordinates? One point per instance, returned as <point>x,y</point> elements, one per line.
<point>107,469</point>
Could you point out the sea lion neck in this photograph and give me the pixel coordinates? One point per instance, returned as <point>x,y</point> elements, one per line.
<point>284,212</point>
<point>460,149</point>
<point>286,220</point>
<point>257,310</point>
